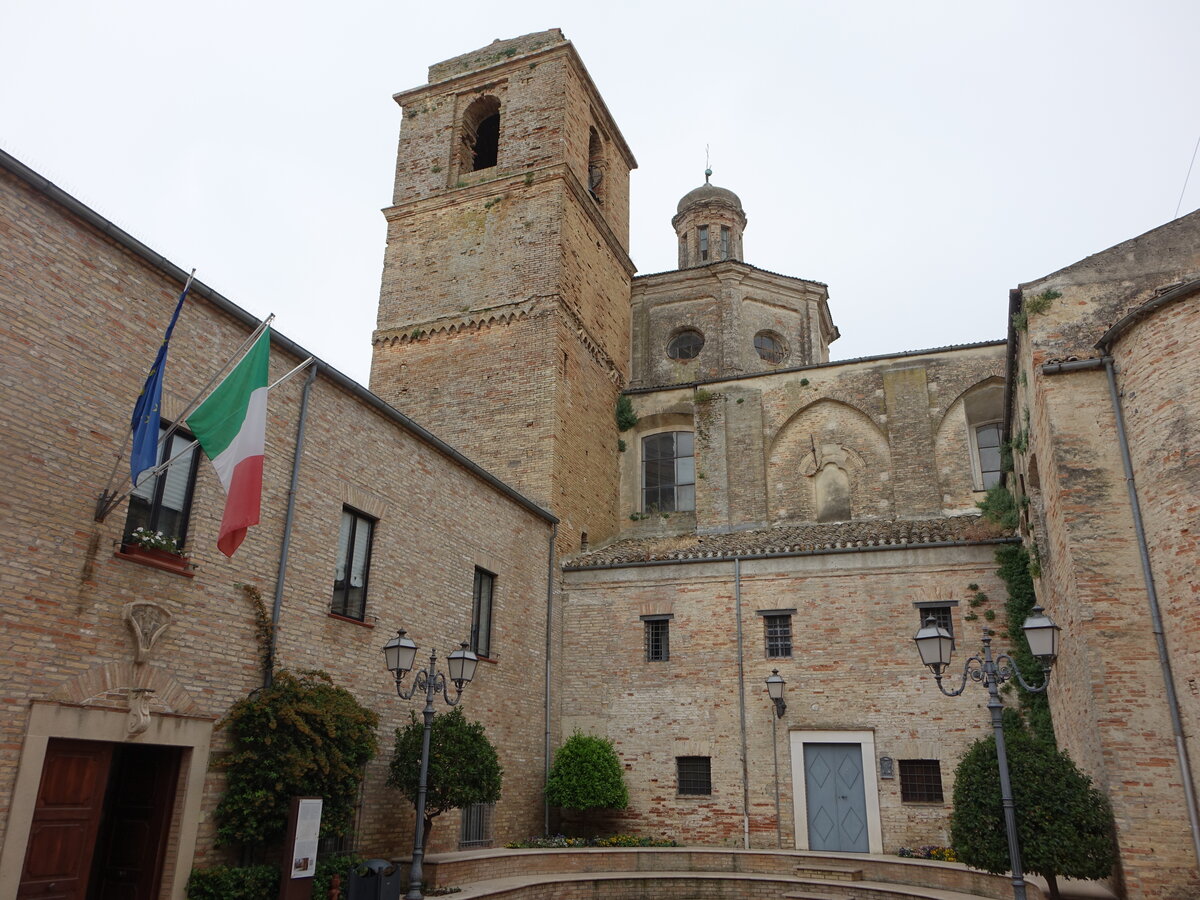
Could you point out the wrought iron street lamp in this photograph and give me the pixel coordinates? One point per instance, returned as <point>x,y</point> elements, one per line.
<point>935,645</point>
<point>775,685</point>
<point>399,654</point>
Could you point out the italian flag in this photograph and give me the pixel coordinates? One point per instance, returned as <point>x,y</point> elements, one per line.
<point>231,427</point>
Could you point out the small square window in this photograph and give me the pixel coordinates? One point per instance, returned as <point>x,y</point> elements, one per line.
<point>942,614</point>
<point>353,565</point>
<point>481,612</point>
<point>658,640</point>
<point>779,636</point>
<point>921,781</point>
<point>694,774</point>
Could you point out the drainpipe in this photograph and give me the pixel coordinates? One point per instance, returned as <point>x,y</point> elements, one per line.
<point>549,650</point>
<point>737,604</point>
<point>1164,659</point>
<point>277,606</point>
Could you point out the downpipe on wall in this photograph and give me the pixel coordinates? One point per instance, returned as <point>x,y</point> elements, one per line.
<point>741,670</point>
<point>1164,659</point>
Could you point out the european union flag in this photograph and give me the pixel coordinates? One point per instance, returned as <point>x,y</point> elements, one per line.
<point>146,415</point>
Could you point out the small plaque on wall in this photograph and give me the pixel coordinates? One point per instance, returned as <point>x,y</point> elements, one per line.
<point>886,765</point>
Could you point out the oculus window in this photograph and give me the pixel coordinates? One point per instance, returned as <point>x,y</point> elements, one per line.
<point>685,345</point>
<point>769,346</point>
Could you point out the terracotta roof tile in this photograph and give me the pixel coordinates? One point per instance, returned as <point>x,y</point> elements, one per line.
<point>785,539</point>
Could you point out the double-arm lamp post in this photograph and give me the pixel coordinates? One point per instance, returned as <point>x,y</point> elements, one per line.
<point>399,653</point>
<point>935,645</point>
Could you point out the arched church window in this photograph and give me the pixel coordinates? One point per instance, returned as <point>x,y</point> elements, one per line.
<point>984,408</point>
<point>480,135</point>
<point>685,345</point>
<point>770,346</point>
<point>668,472</point>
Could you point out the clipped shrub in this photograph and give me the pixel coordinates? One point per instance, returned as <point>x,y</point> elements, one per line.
<point>1065,825</point>
<point>463,766</point>
<point>233,883</point>
<point>587,774</point>
<point>302,736</point>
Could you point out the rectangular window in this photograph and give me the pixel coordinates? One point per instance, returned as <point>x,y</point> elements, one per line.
<point>161,502</point>
<point>987,446</point>
<point>694,774</point>
<point>724,242</point>
<point>942,613</point>
<point>779,636</point>
<point>920,781</point>
<point>481,612</point>
<point>658,638</point>
<point>703,234</point>
<point>353,565</point>
<point>476,830</point>
<point>668,472</point>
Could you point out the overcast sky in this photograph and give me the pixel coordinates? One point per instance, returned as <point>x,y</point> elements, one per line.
<point>921,158</point>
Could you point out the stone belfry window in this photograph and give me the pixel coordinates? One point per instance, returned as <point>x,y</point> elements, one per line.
<point>595,166</point>
<point>479,136</point>
<point>702,233</point>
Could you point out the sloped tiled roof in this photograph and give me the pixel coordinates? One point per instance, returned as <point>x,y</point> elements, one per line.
<point>789,539</point>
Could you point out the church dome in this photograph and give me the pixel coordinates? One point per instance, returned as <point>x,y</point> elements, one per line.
<point>709,193</point>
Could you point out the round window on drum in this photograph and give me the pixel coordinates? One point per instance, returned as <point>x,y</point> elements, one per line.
<point>685,345</point>
<point>770,346</point>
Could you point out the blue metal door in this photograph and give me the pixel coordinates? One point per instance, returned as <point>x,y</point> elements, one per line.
<point>837,804</point>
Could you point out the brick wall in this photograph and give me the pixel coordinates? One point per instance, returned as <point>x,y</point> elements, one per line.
<point>84,318</point>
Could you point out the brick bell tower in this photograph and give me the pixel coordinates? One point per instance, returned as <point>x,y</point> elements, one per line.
<point>504,311</point>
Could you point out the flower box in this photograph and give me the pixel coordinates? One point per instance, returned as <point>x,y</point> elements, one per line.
<point>157,559</point>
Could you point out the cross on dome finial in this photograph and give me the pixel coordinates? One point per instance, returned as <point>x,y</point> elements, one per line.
<point>707,175</point>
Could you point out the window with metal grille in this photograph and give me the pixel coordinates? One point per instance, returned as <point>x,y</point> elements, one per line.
<point>476,828</point>
<point>353,565</point>
<point>920,781</point>
<point>779,636</point>
<point>694,774</point>
<point>162,502</point>
<point>668,472</point>
<point>658,639</point>
<point>942,614</point>
<point>481,612</point>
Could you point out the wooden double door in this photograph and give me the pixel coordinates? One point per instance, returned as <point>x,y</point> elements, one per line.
<point>101,822</point>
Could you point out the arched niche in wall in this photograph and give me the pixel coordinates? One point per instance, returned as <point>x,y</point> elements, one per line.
<point>831,487</point>
<point>829,462</point>
<point>967,444</point>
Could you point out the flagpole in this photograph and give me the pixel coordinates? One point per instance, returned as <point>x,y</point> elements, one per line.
<point>102,512</point>
<point>190,406</point>
<point>102,504</point>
